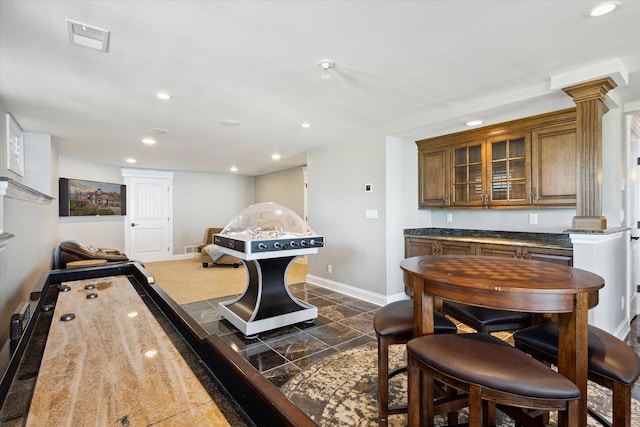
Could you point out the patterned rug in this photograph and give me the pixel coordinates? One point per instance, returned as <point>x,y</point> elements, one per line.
<point>340,390</point>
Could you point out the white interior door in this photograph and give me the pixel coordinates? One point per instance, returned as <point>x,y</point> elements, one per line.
<point>149,225</point>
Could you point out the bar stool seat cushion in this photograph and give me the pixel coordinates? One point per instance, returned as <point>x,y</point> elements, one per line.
<point>608,356</point>
<point>489,362</point>
<point>486,317</point>
<point>396,319</point>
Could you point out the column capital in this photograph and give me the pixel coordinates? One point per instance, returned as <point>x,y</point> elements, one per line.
<point>592,90</point>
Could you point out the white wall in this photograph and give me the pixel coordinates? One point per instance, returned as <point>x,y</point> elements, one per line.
<point>402,208</point>
<point>355,246</point>
<point>203,200</point>
<point>285,188</point>
<point>102,231</point>
<point>614,155</point>
<point>27,255</point>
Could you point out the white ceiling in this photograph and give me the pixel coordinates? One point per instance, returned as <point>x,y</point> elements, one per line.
<point>406,68</point>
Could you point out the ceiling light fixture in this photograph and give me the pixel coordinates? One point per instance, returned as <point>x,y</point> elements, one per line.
<point>474,122</point>
<point>306,125</point>
<point>326,65</point>
<point>604,8</point>
<point>130,160</point>
<point>87,36</point>
<point>229,122</point>
<point>276,157</point>
<point>233,169</point>
<point>149,141</point>
<point>163,95</point>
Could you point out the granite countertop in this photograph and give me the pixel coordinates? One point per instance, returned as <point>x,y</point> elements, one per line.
<point>514,238</point>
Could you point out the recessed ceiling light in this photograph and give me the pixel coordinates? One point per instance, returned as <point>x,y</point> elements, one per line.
<point>474,122</point>
<point>306,125</point>
<point>163,95</point>
<point>276,157</point>
<point>233,169</point>
<point>130,160</point>
<point>229,122</point>
<point>158,131</point>
<point>604,8</point>
<point>149,141</point>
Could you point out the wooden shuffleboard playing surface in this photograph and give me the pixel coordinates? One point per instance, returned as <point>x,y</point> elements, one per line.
<point>112,364</point>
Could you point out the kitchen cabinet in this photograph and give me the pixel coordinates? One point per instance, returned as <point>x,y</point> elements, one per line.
<point>557,256</point>
<point>526,163</point>
<point>420,247</point>
<point>536,246</point>
<point>434,177</point>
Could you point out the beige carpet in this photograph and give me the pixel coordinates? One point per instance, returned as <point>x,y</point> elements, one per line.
<point>186,281</point>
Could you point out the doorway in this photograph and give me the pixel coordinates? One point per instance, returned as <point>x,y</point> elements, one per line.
<point>149,219</point>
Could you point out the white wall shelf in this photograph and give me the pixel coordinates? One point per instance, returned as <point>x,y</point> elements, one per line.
<point>15,190</point>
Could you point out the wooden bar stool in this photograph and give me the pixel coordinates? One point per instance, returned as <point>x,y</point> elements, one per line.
<point>490,371</point>
<point>393,324</point>
<point>487,320</point>
<point>612,364</point>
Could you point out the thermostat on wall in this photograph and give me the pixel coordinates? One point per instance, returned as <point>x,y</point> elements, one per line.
<point>368,188</point>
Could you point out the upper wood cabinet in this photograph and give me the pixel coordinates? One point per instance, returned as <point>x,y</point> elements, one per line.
<point>467,172</point>
<point>434,178</point>
<point>525,163</point>
<point>553,166</point>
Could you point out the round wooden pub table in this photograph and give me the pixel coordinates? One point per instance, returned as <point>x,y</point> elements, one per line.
<point>512,284</point>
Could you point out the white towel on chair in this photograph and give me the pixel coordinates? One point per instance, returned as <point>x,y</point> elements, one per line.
<point>214,252</point>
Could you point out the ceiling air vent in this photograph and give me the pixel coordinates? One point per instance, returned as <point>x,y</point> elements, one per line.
<point>87,36</point>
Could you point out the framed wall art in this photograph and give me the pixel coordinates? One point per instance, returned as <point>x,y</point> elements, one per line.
<point>79,197</point>
<point>15,146</point>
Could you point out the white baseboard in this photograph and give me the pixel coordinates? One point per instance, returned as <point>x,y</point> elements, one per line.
<point>622,330</point>
<point>368,296</point>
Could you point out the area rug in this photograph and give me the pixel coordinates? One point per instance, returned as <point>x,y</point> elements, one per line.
<point>187,281</point>
<point>340,390</point>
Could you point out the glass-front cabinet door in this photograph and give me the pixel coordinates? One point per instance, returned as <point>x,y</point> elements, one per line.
<point>467,173</point>
<point>508,171</point>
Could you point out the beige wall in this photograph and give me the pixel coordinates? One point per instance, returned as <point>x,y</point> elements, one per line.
<point>285,188</point>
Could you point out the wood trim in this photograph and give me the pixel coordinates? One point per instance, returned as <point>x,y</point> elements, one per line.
<point>527,124</point>
<point>589,98</point>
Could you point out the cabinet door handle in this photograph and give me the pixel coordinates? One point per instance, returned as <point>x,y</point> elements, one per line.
<point>533,196</point>
<point>446,197</point>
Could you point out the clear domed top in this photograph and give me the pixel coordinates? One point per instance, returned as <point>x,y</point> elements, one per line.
<point>266,221</point>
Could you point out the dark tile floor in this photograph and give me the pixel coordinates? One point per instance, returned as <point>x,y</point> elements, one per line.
<point>343,322</point>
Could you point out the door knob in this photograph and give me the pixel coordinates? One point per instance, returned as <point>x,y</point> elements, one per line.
<point>133,224</point>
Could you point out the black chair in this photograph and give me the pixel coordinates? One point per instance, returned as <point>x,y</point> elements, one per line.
<point>393,324</point>
<point>612,364</point>
<point>486,320</point>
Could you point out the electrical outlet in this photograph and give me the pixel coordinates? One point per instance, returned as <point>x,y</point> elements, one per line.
<point>449,217</point>
<point>329,268</point>
<point>533,218</point>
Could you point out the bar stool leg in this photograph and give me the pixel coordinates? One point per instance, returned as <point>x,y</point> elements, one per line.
<point>383,382</point>
<point>475,406</point>
<point>621,405</point>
